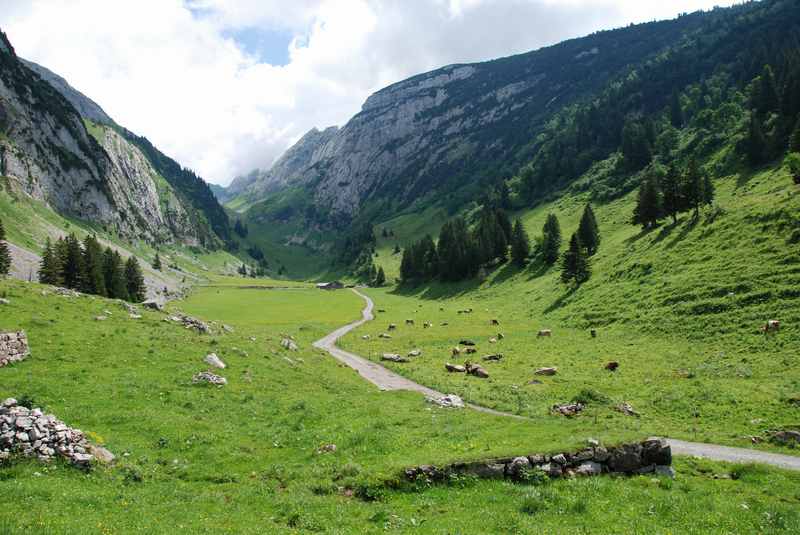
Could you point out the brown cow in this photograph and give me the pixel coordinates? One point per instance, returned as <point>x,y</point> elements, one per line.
<point>494,322</point>
<point>772,326</point>
<point>544,332</point>
<point>456,351</point>
<point>409,322</point>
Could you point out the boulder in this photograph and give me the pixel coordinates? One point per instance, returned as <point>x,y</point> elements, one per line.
<point>213,360</point>
<point>546,371</point>
<point>450,401</point>
<point>568,409</point>
<point>517,467</point>
<point>626,409</point>
<point>153,305</point>
<point>209,378</point>
<point>589,468</point>
<point>656,451</point>
<point>626,458</point>
<point>486,470</point>
<point>492,340</point>
<point>786,437</point>
<point>289,344</point>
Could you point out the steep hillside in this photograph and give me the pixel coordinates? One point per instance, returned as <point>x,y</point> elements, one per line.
<point>109,178</point>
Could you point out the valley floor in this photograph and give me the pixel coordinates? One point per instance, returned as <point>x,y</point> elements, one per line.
<point>243,458</point>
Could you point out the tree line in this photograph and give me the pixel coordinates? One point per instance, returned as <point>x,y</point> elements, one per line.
<point>88,268</point>
<point>462,252</point>
<point>668,191</point>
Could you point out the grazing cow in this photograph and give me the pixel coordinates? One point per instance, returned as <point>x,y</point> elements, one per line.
<point>612,366</point>
<point>492,340</point>
<point>544,332</point>
<point>381,310</point>
<point>471,351</point>
<point>467,343</point>
<point>593,332</point>
<point>500,336</point>
<point>493,357</point>
<point>772,326</point>
<point>477,371</point>
<point>409,322</point>
<point>456,351</point>
<point>427,325</point>
<point>454,368</point>
<point>494,322</point>
<point>392,326</point>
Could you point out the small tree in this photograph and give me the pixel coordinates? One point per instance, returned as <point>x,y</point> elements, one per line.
<point>157,262</point>
<point>575,262</point>
<point>551,239</point>
<point>520,244</point>
<point>588,232</point>
<point>93,282</point>
<point>380,278</point>
<point>5,255</point>
<point>134,280</point>
<point>794,139</point>
<point>648,205</point>
<point>792,161</point>
<point>50,266</point>
<point>673,200</point>
<point>74,270</point>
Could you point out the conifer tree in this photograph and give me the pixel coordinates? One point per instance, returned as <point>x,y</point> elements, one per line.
<point>756,142</point>
<point>5,255</point>
<point>695,185</point>
<point>673,201</point>
<point>675,110</point>
<point>575,262</point>
<point>73,272</point>
<point>648,207</point>
<point>588,232</point>
<point>134,280</point>
<point>767,92</point>
<point>50,266</point>
<point>551,239</point>
<point>94,281</point>
<point>157,262</point>
<point>520,244</point>
<point>708,190</point>
<point>118,288</point>
<point>380,278</point>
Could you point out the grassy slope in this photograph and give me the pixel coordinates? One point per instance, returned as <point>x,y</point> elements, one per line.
<point>242,458</point>
<point>678,307</point>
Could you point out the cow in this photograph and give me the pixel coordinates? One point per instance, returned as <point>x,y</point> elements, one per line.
<point>456,351</point>
<point>612,366</point>
<point>593,332</point>
<point>427,325</point>
<point>544,332</point>
<point>409,322</point>
<point>471,351</point>
<point>392,326</point>
<point>494,322</point>
<point>772,326</point>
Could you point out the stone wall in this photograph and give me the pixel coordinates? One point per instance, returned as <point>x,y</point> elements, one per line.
<point>13,347</point>
<point>651,456</point>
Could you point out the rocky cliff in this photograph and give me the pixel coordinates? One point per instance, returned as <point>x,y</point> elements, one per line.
<point>456,126</point>
<point>52,153</point>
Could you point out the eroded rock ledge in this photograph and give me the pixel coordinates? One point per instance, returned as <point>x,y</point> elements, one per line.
<point>650,456</point>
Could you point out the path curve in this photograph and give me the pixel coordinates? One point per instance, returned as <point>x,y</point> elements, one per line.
<point>386,379</point>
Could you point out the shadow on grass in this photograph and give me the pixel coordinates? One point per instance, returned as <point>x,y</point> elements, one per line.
<point>436,290</point>
<point>685,230</point>
<point>558,303</point>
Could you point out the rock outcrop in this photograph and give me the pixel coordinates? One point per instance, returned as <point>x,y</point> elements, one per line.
<point>13,347</point>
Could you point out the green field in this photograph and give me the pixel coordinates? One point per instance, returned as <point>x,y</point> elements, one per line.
<point>243,458</point>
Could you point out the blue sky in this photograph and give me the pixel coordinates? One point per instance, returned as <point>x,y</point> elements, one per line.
<point>266,45</point>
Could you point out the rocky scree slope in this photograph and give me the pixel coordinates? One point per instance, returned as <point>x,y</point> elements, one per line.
<point>47,153</point>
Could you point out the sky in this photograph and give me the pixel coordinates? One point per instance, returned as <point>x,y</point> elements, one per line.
<point>226,86</point>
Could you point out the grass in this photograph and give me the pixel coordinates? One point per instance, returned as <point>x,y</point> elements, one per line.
<point>243,458</point>
<point>679,308</point>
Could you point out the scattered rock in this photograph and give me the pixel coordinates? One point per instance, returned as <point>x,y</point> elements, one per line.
<point>101,454</point>
<point>289,344</point>
<point>612,366</point>
<point>153,305</point>
<point>100,318</point>
<point>589,468</point>
<point>454,368</point>
<point>66,292</point>
<point>13,347</point>
<point>450,401</point>
<point>213,360</point>
<point>135,316</point>
<point>568,409</point>
<point>517,467</point>
<point>393,357</point>
<point>129,308</point>
<point>210,378</point>
<point>546,371</point>
<point>227,328</point>
<point>492,340</point>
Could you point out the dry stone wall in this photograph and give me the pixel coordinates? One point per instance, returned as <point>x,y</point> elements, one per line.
<point>13,347</point>
<point>651,456</point>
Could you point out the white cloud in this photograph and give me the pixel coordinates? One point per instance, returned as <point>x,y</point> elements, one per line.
<point>165,69</point>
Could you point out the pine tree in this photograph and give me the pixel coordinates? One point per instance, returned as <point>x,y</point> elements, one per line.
<point>708,190</point>
<point>5,255</point>
<point>134,280</point>
<point>520,244</point>
<point>50,267</point>
<point>380,278</point>
<point>756,143</point>
<point>396,249</point>
<point>648,207</point>
<point>767,99</point>
<point>551,239</point>
<point>74,272</point>
<point>157,262</point>
<point>575,262</point>
<point>588,232</point>
<point>118,288</point>
<point>93,282</point>
<point>673,201</point>
<point>694,183</point>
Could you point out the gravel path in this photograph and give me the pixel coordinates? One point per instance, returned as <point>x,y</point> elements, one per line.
<point>386,379</point>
